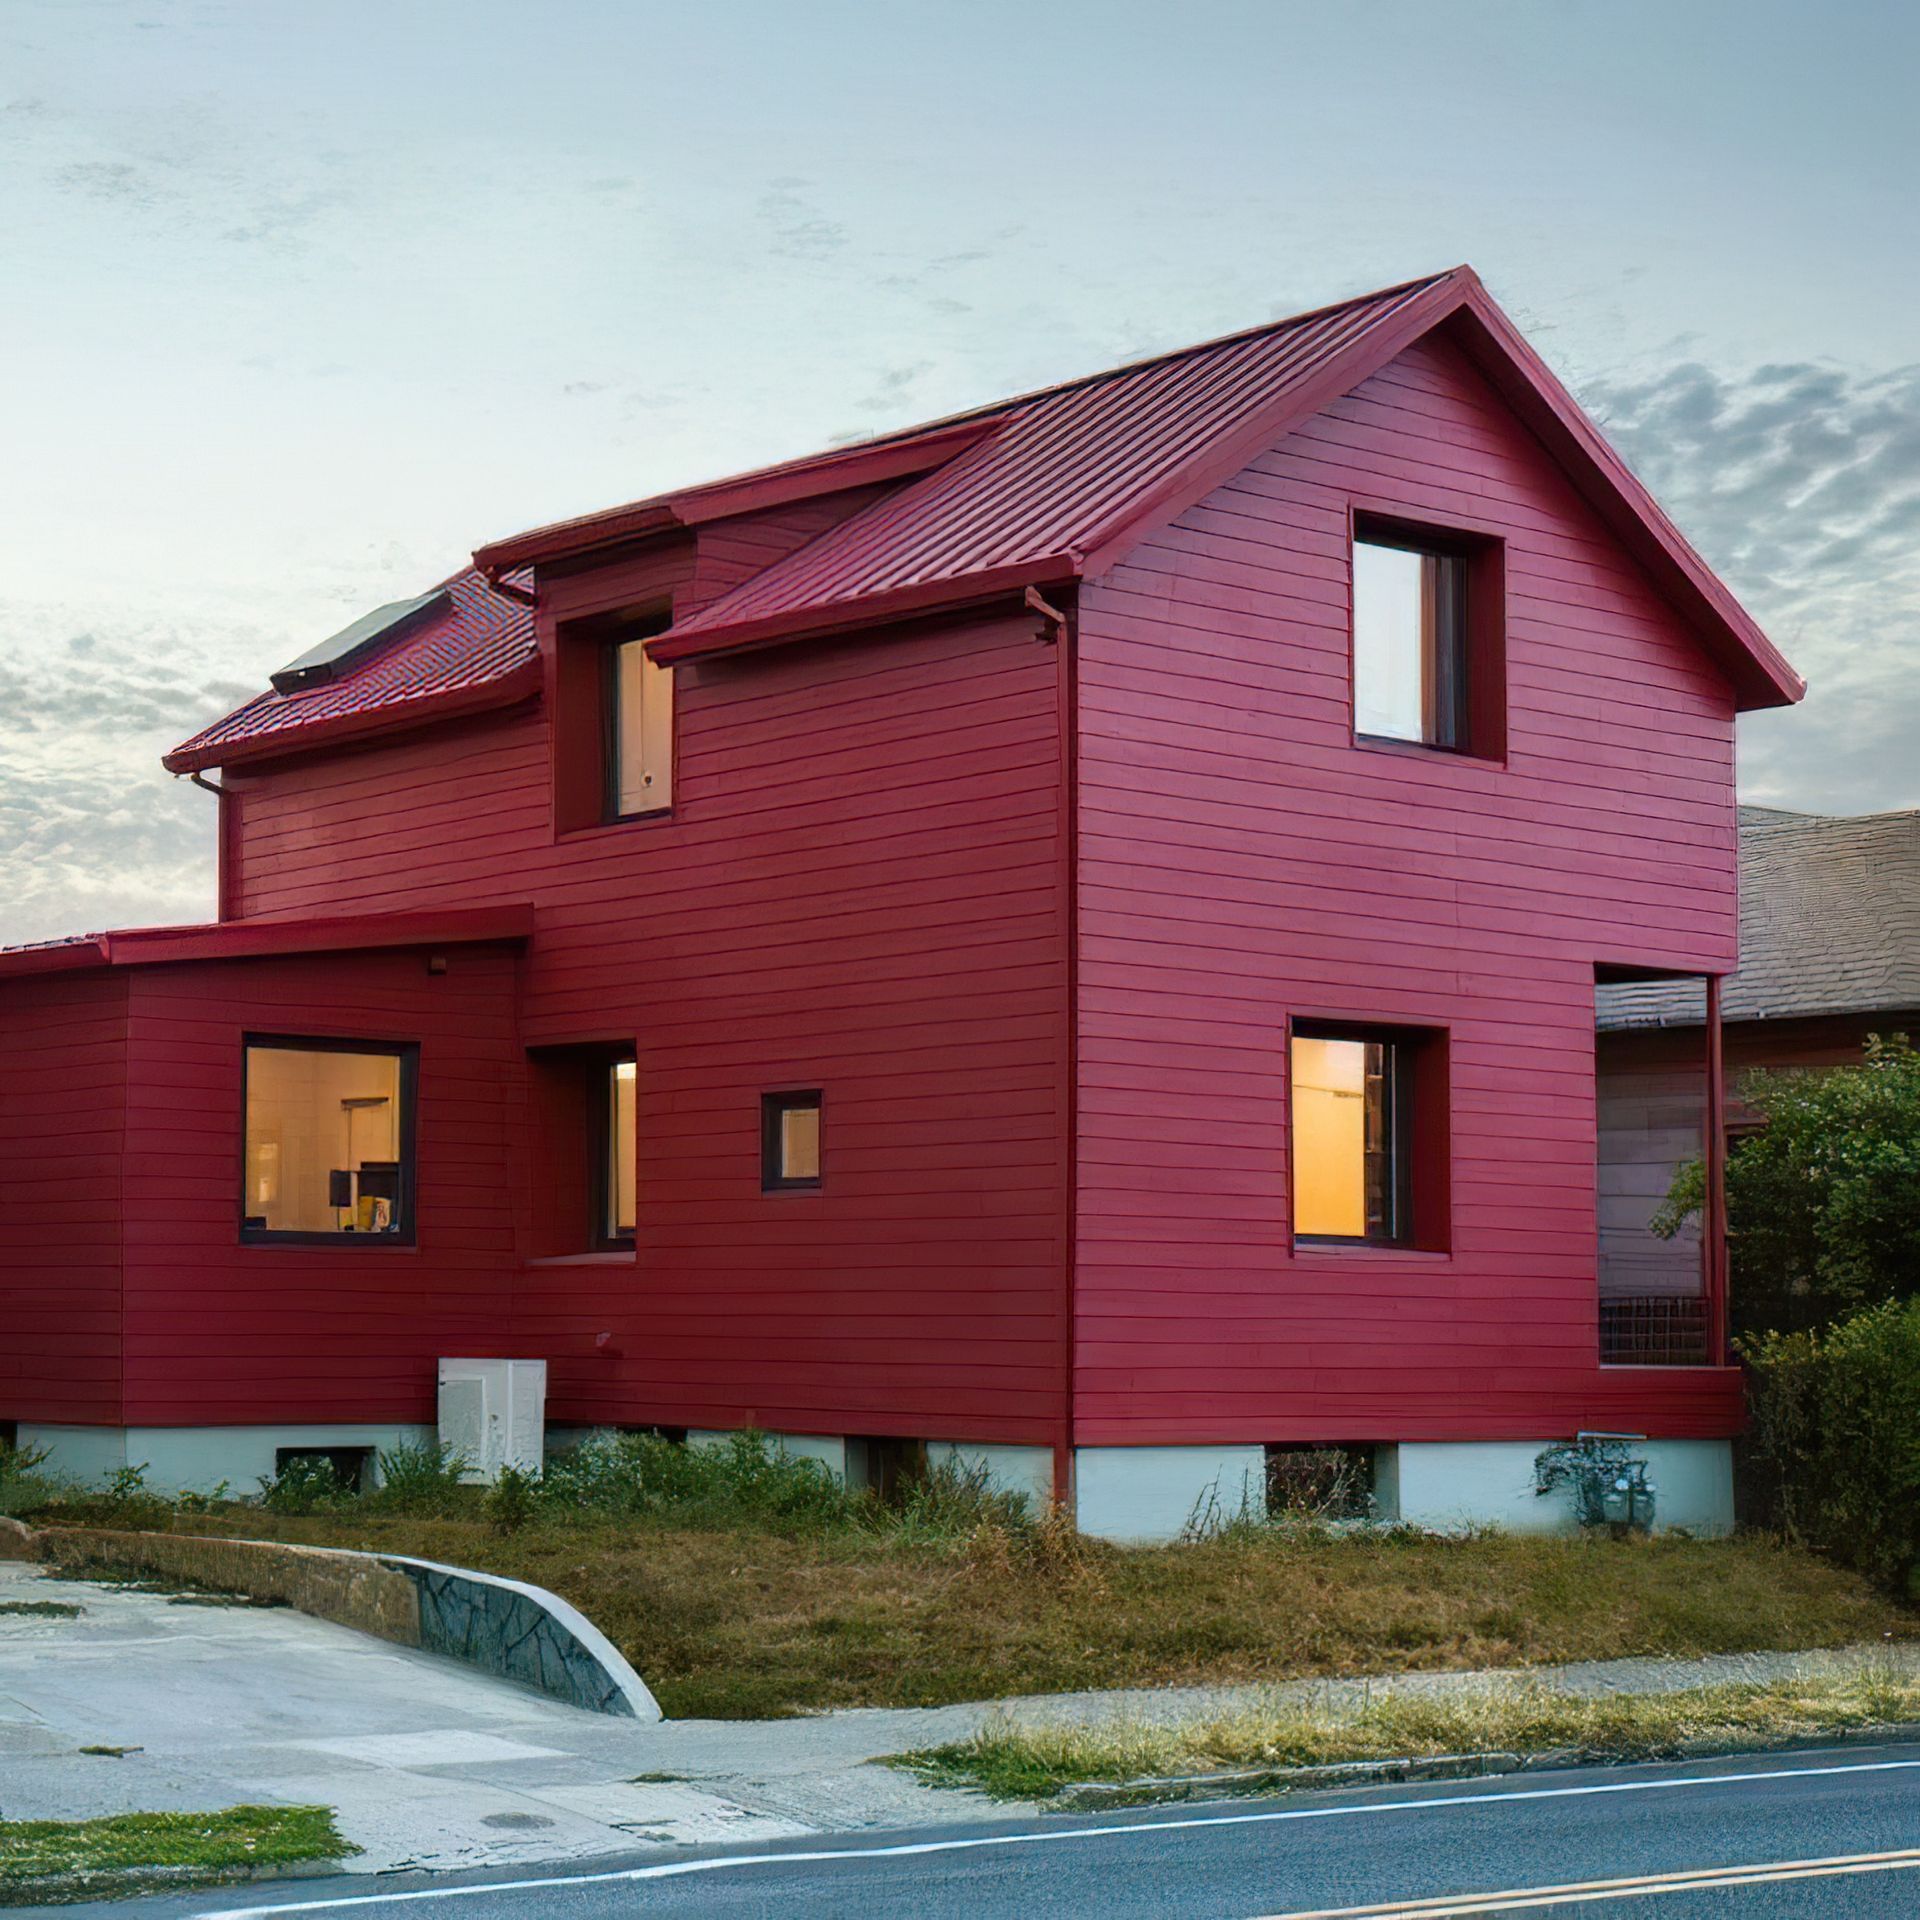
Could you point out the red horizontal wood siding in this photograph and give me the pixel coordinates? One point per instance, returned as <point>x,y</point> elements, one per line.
<point>860,889</point>
<point>63,1065</point>
<point>218,1333</point>
<point>1242,861</point>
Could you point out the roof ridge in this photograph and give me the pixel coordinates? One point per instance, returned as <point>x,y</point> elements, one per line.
<point>1418,283</point>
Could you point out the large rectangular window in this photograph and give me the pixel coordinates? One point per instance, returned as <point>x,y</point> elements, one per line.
<point>1350,1139</point>
<point>1409,641</point>
<point>640,732</point>
<point>619,1170</point>
<point>329,1140</point>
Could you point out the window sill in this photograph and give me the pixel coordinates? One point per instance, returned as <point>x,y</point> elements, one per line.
<point>329,1242</point>
<point>1420,750</point>
<point>655,817</point>
<point>1364,1250</point>
<point>608,1257</point>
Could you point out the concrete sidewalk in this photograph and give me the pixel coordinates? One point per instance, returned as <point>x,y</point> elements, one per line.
<point>429,1764</point>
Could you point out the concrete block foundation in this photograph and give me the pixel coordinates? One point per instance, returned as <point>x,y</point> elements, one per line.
<point>197,1459</point>
<point>1452,1485</point>
<point>1142,1496</point>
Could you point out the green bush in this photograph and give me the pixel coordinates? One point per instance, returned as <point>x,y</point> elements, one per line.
<point>1823,1202</point>
<point>513,1501</point>
<point>23,1486</point>
<point>746,1476</point>
<point>420,1478</point>
<point>1836,1437</point>
<point>304,1483</point>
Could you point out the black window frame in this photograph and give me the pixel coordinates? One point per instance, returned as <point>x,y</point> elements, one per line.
<point>631,632</point>
<point>773,1106</point>
<point>1400,1049</point>
<point>405,1228</point>
<point>605,1238</point>
<point>1453,667</point>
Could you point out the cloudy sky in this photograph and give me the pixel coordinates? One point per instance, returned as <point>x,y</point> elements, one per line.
<point>303,300</point>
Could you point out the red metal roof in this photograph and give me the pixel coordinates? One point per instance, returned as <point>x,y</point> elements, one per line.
<point>1052,486</point>
<point>1065,468</point>
<point>480,652</point>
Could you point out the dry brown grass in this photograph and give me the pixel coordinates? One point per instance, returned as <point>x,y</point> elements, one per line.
<point>1012,1761</point>
<point>739,1623</point>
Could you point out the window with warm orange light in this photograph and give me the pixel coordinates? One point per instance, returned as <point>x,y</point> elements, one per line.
<point>1370,1136</point>
<point>1343,1139</point>
<point>619,1173</point>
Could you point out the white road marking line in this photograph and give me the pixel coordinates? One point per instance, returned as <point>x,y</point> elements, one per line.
<point>675,1869</point>
<point>1582,1892</point>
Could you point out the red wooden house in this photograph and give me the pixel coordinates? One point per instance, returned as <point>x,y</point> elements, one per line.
<point>1066,937</point>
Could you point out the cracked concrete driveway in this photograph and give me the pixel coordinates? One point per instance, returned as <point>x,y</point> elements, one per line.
<point>427,1763</point>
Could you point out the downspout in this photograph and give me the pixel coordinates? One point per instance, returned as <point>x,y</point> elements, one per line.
<point>1066,694</point>
<point>223,883</point>
<point>1715,1210</point>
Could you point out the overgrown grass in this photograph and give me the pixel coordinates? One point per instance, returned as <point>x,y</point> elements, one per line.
<point>741,1622</point>
<point>1012,1761</point>
<point>41,1859</point>
<point>742,1583</point>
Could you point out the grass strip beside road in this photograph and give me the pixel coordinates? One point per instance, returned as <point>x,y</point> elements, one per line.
<point>746,1622</point>
<point>1013,1760</point>
<point>47,1860</point>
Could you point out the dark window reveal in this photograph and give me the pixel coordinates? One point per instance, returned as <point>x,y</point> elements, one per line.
<point>329,1141</point>
<point>789,1141</point>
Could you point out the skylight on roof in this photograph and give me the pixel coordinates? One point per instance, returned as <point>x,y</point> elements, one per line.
<point>321,665</point>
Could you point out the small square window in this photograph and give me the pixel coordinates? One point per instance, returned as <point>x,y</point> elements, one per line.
<point>789,1141</point>
<point>328,1150</point>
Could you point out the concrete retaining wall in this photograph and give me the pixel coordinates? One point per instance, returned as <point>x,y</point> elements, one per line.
<point>504,1627</point>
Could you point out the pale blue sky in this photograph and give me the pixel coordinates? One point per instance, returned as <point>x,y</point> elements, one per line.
<point>303,301</point>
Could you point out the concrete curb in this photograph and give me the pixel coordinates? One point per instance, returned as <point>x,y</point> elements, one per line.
<point>504,1627</point>
<point>1094,1795</point>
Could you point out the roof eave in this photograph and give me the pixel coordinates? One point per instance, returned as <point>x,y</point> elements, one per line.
<point>871,610</point>
<point>834,472</point>
<point>256,940</point>
<point>399,716</point>
<point>1760,673</point>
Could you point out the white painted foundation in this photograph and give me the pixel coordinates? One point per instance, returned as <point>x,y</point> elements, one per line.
<point>1452,1485</point>
<point>1027,1471</point>
<point>1141,1496</point>
<point>196,1459</point>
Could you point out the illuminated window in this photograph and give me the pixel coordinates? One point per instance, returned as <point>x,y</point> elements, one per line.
<point>789,1141</point>
<point>329,1140</point>
<point>1350,1158</point>
<point>619,1174</point>
<point>640,749</point>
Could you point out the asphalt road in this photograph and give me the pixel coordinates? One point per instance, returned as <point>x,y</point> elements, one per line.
<point>1811,1836</point>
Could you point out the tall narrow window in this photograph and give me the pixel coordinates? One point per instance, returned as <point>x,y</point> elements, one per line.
<point>619,1173</point>
<point>789,1141</point>
<point>640,732</point>
<point>1409,641</point>
<point>329,1141</point>
<point>1351,1164</point>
